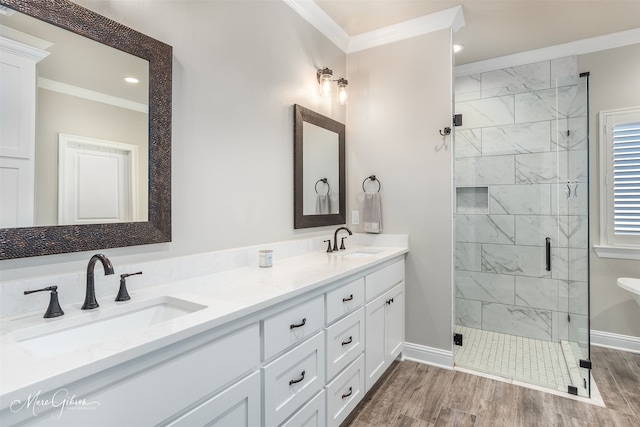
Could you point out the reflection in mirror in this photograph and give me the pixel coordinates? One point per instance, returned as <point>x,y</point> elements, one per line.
<point>319,173</point>
<point>320,170</point>
<point>79,90</point>
<point>76,120</point>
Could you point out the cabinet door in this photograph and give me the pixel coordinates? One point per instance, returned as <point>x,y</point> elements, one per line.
<point>237,406</point>
<point>394,321</point>
<point>375,343</point>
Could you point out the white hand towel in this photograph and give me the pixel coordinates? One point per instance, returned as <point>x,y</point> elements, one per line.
<point>322,204</point>
<point>372,213</point>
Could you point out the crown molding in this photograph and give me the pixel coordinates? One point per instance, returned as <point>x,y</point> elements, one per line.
<point>579,47</point>
<point>317,17</point>
<point>91,95</point>
<point>449,18</point>
<point>312,13</point>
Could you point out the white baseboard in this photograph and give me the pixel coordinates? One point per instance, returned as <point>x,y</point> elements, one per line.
<point>444,358</point>
<point>428,355</point>
<point>616,341</point>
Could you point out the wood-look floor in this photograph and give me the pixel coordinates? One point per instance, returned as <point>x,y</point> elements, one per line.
<point>413,394</point>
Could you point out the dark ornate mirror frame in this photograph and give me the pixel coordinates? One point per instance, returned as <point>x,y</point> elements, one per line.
<point>36,241</point>
<point>301,115</point>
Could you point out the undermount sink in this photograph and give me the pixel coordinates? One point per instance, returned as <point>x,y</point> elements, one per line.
<point>632,285</point>
<point>66,335</point>
<point>359,253</point>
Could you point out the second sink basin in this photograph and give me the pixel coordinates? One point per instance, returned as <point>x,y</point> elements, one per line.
<point>359,253</point>
<point>66,335</point>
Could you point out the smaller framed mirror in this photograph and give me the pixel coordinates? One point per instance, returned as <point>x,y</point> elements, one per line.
<point>319,189</point>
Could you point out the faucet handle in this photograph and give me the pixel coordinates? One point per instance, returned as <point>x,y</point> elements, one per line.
<point>342,243</point>
<point>328,247</point>
<point>54,309</point>
<point>123,295</point>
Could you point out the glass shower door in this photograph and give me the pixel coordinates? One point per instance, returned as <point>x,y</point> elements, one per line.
<point>577,222</point>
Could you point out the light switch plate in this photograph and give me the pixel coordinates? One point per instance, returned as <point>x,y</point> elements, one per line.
<point>355,217</point>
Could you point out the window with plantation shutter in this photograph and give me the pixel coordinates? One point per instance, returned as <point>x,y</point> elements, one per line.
<point>620,183</point>
<point>626,178</point>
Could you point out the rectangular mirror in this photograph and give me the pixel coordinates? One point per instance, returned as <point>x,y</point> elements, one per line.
<point>122,131</point>
<point>319,170</point>
<point>81,97</point>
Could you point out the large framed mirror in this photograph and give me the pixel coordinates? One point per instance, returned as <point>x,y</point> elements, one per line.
<point>319,170</point>
<point>85,120</point>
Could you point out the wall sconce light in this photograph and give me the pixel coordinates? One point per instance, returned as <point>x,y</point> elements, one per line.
<point>325,79</point>
<point>342,91</point>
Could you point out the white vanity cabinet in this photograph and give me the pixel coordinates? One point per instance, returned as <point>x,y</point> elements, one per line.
<point>193,379</point>
<point>384,319</point>
<point>306,360</point>
<point>318,378</point>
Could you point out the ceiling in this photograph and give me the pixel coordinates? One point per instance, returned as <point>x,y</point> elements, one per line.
<point>495,28</point>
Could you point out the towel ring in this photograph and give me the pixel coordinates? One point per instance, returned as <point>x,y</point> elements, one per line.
<point>372,178</point>
<point>326,181</point>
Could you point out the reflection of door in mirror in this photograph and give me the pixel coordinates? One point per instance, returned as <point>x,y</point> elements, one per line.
<point>97,181</point>
<point>80,89</point>
<point>320,162</point>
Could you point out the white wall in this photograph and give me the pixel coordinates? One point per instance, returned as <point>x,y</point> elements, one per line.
<point>239,66</point>
<point>400,96</point>
<point>613,83</point>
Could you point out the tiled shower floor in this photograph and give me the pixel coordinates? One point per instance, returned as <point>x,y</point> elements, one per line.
<point>523,359</point>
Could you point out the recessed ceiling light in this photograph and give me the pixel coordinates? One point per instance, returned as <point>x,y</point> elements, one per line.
<point>457,47</point>
<point>131,80</point>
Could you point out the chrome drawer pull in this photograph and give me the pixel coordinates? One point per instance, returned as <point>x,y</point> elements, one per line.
<point>349,341</point>
<point>348,299</point>
<point>292,382</point>
<point>348,394</point>
<point>299,325</point>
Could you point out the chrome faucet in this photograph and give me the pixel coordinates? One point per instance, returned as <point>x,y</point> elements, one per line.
<point>90,297</point>
<point>335,238</point>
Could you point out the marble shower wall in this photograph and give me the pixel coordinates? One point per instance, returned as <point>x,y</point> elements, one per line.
<point>520,154</point>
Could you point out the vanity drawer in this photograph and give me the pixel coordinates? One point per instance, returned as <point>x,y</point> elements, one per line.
<point>345,392</point>
<point>383,279</point>
<point>311,414</point>
<point>292,379</point>
<point>345,342</point>
<point>293,325</point>
<point>345,299</point>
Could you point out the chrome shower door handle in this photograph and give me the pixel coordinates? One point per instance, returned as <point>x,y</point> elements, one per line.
<point>548,257</point>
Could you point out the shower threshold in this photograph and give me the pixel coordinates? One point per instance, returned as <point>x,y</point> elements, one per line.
<point>531,363</point>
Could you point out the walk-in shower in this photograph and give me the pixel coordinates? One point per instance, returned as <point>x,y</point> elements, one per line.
<point>521,224</point>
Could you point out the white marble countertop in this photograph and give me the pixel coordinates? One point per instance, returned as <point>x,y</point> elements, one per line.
<point>228,295</point>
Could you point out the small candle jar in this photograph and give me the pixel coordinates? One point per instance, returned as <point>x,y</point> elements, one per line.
<point>266,258</point>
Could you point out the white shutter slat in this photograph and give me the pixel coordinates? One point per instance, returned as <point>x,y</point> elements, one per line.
<point>626,178</point>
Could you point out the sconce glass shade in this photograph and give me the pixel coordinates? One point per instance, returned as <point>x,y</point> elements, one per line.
<point>342,91</point>
<point>325,77</point>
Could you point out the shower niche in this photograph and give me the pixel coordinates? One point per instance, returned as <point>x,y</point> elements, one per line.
<point>472,200</point>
